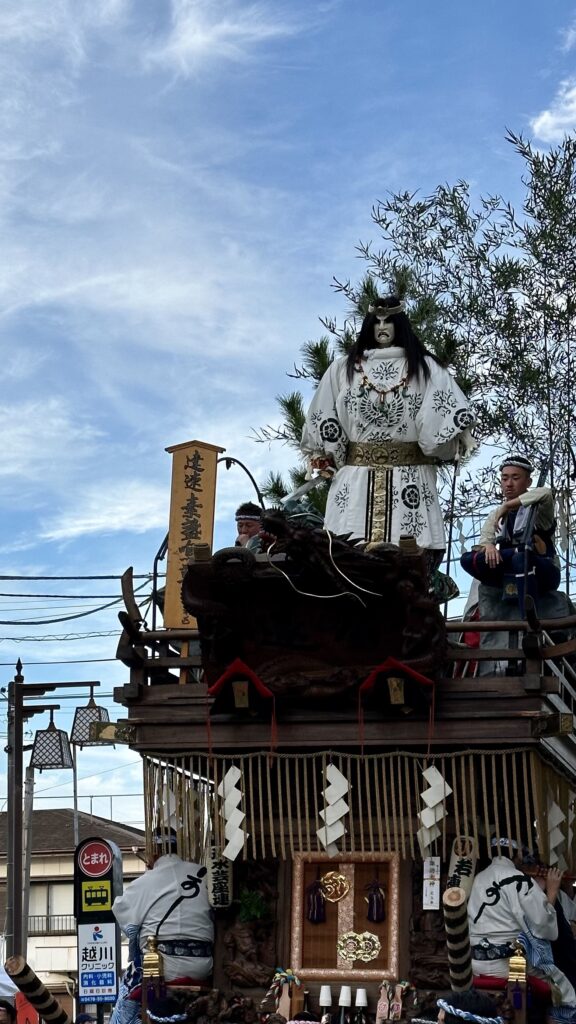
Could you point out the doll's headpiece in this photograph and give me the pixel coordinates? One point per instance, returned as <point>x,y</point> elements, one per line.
<point>386,307</point>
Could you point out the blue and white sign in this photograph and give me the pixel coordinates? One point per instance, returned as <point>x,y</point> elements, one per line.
<point>97,962</point>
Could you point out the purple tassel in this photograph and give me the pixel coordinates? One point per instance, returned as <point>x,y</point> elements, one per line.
<point>517,997</point>
<point>315,903</point>
<point>376,902</point>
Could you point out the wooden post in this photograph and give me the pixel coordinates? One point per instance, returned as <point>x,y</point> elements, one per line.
<point>192,501</point>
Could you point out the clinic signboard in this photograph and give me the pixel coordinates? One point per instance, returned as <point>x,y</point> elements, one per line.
<point>97,882</point>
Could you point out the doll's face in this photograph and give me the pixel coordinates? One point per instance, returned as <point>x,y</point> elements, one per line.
<point>383,331</point>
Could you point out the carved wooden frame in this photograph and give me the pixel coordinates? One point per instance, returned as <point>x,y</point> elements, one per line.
<point>361,972</point>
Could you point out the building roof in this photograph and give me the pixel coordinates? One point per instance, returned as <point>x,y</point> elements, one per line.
<point>53,831</point>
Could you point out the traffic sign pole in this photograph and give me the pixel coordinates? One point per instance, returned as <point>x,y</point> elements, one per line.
<point>97,882</point>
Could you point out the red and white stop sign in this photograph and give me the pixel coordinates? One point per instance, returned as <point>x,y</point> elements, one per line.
<point>95,858</point>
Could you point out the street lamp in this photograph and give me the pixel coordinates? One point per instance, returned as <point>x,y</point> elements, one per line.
<point>18,713</point>
<point>51,748</point>
<point>80,737</point>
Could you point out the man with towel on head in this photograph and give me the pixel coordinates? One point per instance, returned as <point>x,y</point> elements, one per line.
<point>500,554</point>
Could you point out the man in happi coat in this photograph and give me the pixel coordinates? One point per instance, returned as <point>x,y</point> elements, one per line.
<point>381,420</point>
<point>169,902</point>
<point>506,903</point>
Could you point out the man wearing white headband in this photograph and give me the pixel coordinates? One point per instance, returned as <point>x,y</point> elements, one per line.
<point>249,524</point>
<point>499,559</point>
<point>382,419</point>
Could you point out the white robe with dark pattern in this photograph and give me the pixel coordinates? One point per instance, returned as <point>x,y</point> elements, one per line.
<point>502,904</point>
<point>434,413</point>
<point>145,902</point>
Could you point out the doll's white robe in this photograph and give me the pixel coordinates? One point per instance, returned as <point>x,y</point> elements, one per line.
<point>386,502</point>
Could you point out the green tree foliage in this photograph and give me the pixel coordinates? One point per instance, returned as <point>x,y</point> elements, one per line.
<point>492,292</point>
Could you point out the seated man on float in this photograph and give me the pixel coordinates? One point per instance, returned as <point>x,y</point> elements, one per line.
<point>170,903</point>
<point>564,947</point>
<point>249,524</point>
<point>506,903</point>
<point>500,558</point>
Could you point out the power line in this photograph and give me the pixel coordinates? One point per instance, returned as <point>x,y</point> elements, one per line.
<point>79,696</point>
<point>66,618</point>
<point>71,661</point>
<point>65,597</point>
<point>90,796</point>
<point>70,603</point>
<point>58,637</point>
<point>93,775</point>
<point>141,576</point>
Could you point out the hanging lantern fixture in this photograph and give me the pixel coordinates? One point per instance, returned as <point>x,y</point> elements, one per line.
<point>51,748</point>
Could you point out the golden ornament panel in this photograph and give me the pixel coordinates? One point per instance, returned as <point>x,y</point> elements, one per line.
<point>317,950</point>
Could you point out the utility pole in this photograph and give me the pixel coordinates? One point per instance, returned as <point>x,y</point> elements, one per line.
<point>27,833</point>
<point>14,845</point>
<point>18,713</point>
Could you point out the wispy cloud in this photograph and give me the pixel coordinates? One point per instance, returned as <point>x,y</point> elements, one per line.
<point>42,439</point>
<point>27,23</point>
<point>111,507</point>
<point>569,37</point>
<point>559,119</point>
<point>62,23</point>
<point>20,364</point>
<point>202,32</point>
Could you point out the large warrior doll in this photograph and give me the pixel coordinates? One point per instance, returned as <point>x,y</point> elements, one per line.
<point>382,419</point>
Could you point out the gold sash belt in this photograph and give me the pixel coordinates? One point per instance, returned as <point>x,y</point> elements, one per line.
<point>387,453</point>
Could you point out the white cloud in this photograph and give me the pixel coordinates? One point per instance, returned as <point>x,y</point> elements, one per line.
<point>43,49</point>
<point>61,23</point>
<point>20,364</point>
<point>111,507</point>
<point>559,119</point>
<point>202,31</point>
<point>28,22</point>
<point>569,37</point>
<point>39,435</point>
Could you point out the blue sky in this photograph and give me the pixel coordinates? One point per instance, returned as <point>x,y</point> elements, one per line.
<point>179,182</point>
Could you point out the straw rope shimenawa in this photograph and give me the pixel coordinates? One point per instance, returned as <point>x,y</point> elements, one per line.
<point>282,798</point>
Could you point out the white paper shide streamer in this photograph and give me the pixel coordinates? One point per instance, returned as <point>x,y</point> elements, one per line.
<point>168,810</point>
<point>434,810</point>
<point>556,837</point>
<point>569,829</point>
<point>231,794</point>
<point>335,808</point>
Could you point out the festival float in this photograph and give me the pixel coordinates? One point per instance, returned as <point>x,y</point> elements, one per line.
<point>321,737</point>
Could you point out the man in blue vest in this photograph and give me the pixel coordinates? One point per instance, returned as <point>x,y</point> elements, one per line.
<point>500,558</point>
